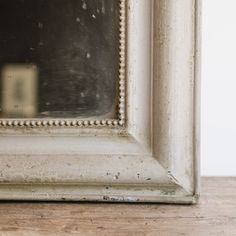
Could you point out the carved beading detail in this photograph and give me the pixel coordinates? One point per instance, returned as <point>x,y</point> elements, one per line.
<point>120,121</point>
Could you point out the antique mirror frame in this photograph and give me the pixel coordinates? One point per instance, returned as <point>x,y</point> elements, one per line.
<point>150,152</point>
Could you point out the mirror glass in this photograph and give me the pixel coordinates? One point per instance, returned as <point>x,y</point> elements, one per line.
<point>59,58</point>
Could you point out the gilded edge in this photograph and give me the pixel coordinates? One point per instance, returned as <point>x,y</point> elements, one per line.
<point>119,122</point>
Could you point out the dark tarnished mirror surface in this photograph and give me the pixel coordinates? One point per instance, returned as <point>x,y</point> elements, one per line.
<point>59,58</point>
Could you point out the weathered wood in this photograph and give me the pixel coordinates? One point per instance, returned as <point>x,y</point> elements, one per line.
<point>215,215</point>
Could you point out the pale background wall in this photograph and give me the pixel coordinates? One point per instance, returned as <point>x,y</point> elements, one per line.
<point>219,88</point>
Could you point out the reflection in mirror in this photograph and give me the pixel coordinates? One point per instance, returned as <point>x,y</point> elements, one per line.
<point>59,58</point>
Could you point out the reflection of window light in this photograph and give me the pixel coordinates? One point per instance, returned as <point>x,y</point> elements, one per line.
<point>19,90</point>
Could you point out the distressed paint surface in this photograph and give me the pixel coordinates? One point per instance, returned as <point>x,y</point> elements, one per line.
<point>132,165</point>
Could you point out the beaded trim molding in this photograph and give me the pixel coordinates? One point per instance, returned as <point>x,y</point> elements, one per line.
<point>120,121</point>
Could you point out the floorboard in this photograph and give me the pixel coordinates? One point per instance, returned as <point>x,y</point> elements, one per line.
<point>215,215</point>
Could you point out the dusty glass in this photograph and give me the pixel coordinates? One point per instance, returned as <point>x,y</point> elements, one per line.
<point>59,58</point>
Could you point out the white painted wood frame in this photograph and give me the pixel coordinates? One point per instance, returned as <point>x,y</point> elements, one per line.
<point>153,155</point>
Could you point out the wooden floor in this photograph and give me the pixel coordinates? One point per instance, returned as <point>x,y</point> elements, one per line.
<point>215,215</point>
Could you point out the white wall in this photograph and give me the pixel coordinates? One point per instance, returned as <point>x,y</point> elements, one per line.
<point>219,88</point>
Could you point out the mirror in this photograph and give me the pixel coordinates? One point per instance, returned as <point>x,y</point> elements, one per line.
<point>59,58</point>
